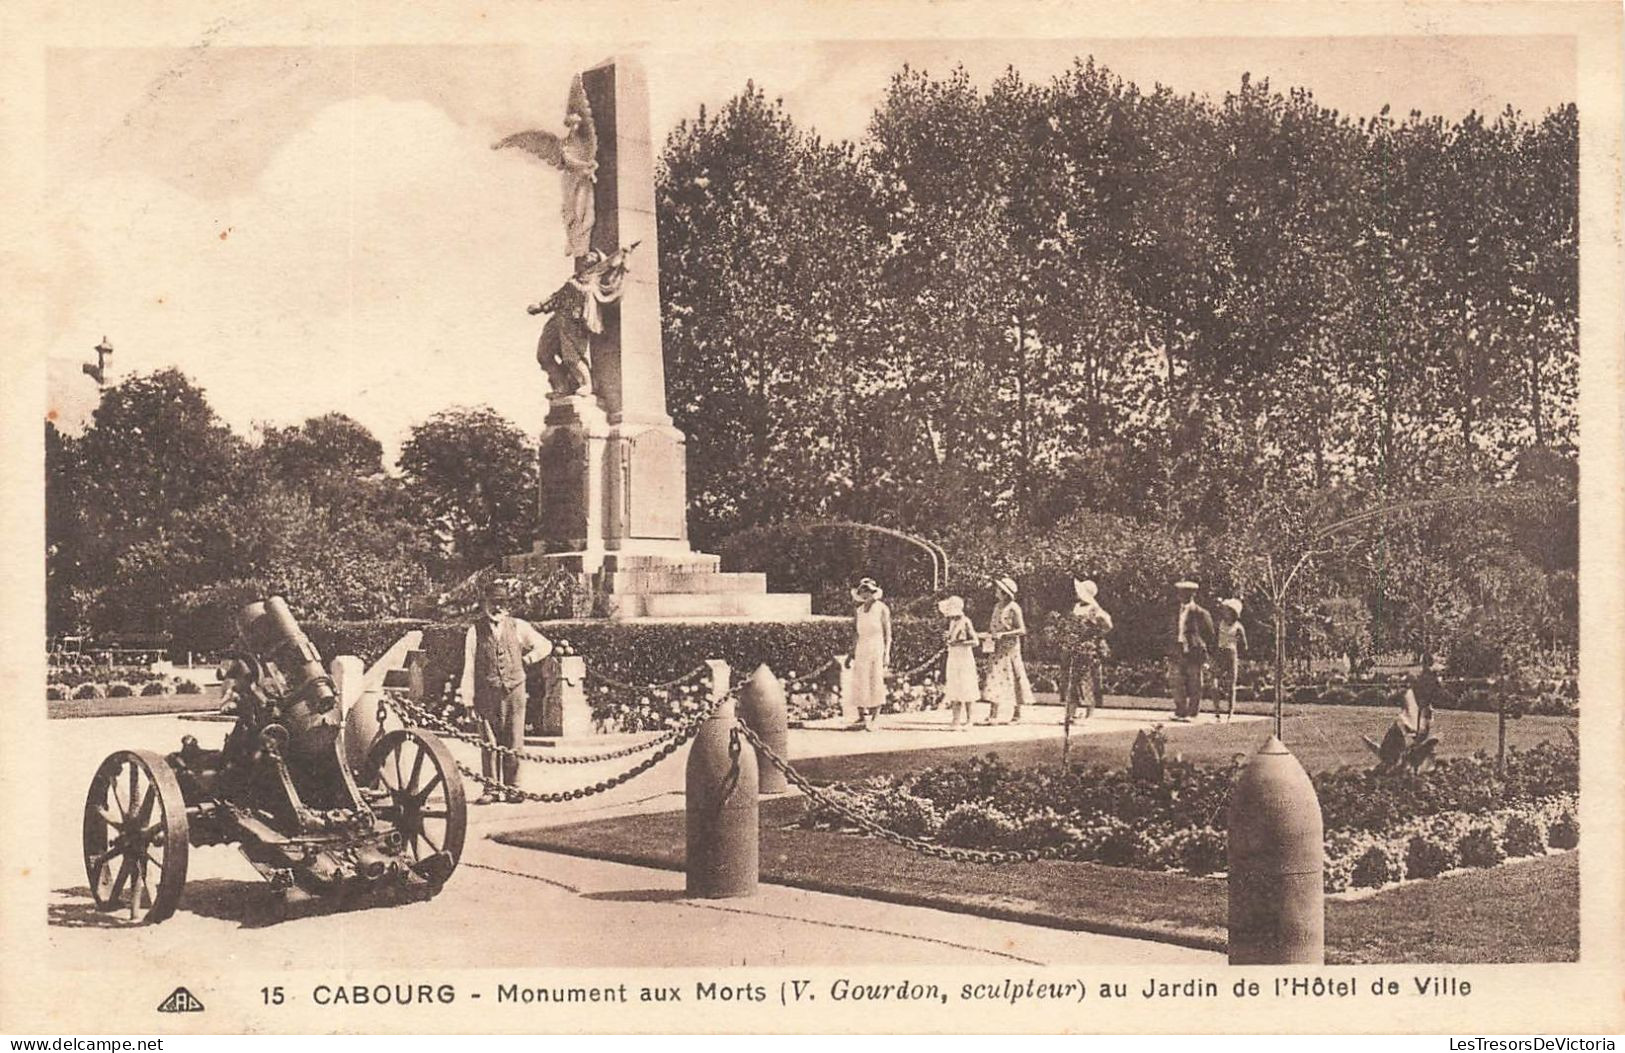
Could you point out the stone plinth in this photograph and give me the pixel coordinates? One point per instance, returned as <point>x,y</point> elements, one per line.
<point>565,711</point>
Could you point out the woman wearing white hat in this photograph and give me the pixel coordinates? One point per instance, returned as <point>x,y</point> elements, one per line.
<point>1007,675</point>
<point>1232,638</point>
<point>1085,645</point>
<point>960,688</point>
<point>871,651</point>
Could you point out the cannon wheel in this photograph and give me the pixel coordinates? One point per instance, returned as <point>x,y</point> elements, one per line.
<point>426,802</point>
<point>135,836</point>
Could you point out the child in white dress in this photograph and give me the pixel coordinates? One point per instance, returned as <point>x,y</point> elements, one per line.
<point>959,685</point>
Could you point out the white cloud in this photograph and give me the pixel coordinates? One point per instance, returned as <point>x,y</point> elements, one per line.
<point>380,266</point>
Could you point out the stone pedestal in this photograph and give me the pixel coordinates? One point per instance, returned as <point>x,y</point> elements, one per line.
<point>565,712</point>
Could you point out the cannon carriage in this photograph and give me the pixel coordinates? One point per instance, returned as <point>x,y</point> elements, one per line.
<point>280,789</point>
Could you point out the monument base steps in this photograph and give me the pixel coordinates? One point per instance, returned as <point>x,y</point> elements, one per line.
<point>645,585</point>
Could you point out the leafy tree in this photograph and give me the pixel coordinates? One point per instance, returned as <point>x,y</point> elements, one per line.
<point>470,477</point>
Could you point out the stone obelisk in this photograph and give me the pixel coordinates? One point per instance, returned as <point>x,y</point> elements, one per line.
<point>613,467</point>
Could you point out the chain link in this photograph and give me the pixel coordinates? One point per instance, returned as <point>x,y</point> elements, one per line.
<point>922,667</point>
<point>621,685</point>
<point>602,786</point>
<point>913,844</point>
<point>807,678</point>
<point>444,727</point>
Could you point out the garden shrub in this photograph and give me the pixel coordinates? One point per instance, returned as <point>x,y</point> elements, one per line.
<point>819,816</point>
<point>55,693</point>
<point>906,814</point>
<point>1481,845</point>
<point>1381,863</point>
<point>1564,830</point>
<point>1525,835</point>
<point>1047,830</point>
<point>1105,839</point>
<point>1371,696</point>
<point>152,689</point>
<point>1344,849</point>
<point>1429,854</point>
<point>87,690</point>
<point>1337,696</point>
<point>953,784</point>
<point>977,825</point>
<point>187,687</point>
<point>1306,694</point>
<point>1117,844</point>
<point>1197,850</point>
<point>119,689</point>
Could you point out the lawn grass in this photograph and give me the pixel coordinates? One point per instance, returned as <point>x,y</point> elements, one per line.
<point>1478,916</point>
<point>1322,737</point>
<point>1481,916</point>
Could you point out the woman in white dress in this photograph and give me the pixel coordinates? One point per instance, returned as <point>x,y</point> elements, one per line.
<point>960,688</point>
<point>1007,675</point>
<point>871,652</point>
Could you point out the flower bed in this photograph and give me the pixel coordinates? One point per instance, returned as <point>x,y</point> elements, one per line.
<point>1557,696</point>
<point>72,677</point>
<point>1380,829</point>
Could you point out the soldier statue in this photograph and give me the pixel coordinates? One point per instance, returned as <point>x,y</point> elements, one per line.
<point>565,349</point>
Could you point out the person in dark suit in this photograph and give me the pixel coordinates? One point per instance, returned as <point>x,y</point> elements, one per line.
<point>1193,640</point>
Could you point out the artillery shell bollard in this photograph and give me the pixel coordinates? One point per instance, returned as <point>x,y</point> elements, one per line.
<point>347,671</point>
<point>361,727</point>
<point>1277,900</point>
<point>723,838</point>
<point>762,706</point>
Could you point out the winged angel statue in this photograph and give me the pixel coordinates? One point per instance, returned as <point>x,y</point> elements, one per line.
<point>565,349</point>
<point>576,156</point>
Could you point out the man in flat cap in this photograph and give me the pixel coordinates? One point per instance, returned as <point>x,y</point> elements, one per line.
<point>496,652</point>
<point>1193,638</point>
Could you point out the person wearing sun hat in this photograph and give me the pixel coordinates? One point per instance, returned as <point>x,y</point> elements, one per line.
<point>960,688</point>
<point>1192,640</point>
<point>1084,640</point>
<point>871,651</point>
<point>1232,639</point>
<point>1007,673</point>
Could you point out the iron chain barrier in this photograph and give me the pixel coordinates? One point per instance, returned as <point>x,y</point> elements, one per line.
<point>444,727</point>
<point>914,844</point>
<point>413,715</point>
<point>678,738</point>
<point>621,685</point>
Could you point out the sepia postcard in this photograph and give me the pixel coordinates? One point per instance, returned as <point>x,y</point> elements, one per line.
<point>919,517</point>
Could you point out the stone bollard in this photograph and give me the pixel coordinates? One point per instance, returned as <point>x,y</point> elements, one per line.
<point>762,707</point>
<point>565,712</point>
<point>722,817</point>
<point>719,677</point>
<point>1277,855</point>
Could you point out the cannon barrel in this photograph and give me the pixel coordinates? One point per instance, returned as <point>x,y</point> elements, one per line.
<point>269,630</point>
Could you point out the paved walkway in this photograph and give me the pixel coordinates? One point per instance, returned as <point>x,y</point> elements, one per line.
<point>515,906</point>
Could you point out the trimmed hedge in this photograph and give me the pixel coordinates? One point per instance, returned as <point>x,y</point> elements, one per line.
<point>649,652</point>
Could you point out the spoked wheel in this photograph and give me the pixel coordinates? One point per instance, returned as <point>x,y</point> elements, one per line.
<point>425,789</point>
<point>135,837</point>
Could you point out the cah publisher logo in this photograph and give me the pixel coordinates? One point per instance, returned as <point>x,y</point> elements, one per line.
<point>181,1000</point>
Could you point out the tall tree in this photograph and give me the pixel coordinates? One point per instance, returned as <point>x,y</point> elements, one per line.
<point>470,474</point>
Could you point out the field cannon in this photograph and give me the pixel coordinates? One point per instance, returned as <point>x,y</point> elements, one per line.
<point>279,788</point>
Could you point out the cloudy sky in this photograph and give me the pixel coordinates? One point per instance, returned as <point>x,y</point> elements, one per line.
<point>309,229</point>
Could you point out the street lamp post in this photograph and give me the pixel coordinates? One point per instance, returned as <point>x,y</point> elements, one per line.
<point>98,372</point>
